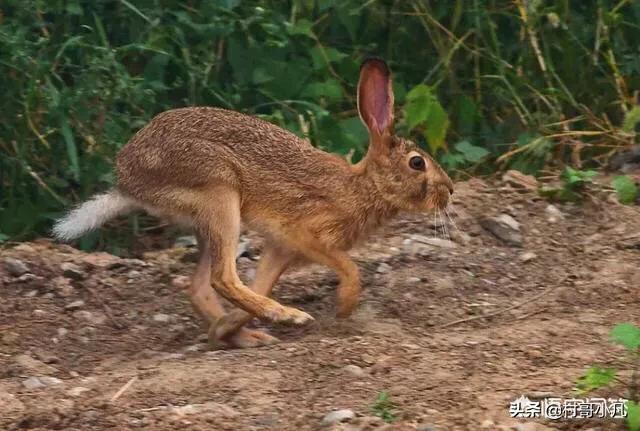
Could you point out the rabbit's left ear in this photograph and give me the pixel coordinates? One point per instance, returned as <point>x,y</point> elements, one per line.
<point>375,98</point>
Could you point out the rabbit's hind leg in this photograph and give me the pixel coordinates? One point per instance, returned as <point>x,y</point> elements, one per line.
<point>205,301</point>
<point>273,263</point>
<point>219,222</point>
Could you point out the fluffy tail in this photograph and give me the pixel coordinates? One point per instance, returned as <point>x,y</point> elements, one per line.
<point>92,214</point>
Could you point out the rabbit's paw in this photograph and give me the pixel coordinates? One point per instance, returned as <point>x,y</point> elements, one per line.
<point>287,316</point>
<point>243,339</point>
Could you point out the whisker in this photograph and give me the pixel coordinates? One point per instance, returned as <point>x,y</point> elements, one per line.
<point>445,233</point>
<point>451,219</point>
<point>445,226</point>
<point>435,225</point>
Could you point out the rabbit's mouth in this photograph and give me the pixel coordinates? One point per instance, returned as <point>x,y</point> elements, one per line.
<point>438,198</point>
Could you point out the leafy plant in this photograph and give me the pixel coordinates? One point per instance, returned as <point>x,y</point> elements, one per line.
<point>384,408</point>
<point>626,189</point>
<point>594,378</point>
<point>627,335</point>
<point>574,184</point>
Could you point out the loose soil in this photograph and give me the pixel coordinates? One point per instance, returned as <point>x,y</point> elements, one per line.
<point>451,334</point>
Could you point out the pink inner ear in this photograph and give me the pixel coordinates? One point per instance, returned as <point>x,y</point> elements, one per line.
<point>375,103</point>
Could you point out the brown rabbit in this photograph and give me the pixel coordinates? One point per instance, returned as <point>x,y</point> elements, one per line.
<point>212,169</point>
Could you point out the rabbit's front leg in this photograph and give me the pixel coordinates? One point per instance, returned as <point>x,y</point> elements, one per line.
<point>348,292</point>
<point>274,261</point>
<point>219,223</point>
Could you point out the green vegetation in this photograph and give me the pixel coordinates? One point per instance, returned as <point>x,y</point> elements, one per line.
<point>384,408</point>
<point>627,335</point>
<point>483,84</point>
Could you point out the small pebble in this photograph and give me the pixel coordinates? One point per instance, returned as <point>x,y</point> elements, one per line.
<point>161,318</point>
<point>72,271</point>
<point>15,267</point>
<point>338,416</point>
<point>354,370</point>
<point>75,305</point>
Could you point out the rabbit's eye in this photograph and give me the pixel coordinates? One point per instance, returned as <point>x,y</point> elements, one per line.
<point>417,163</point>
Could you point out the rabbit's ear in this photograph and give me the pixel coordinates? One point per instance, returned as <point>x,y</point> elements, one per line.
<point>375,97</point>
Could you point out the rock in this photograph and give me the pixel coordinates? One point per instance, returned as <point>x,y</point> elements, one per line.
<point>62,332</point>
<point>354,370</point>
<point>50,381</point>
<point>243,249</point>
<point>436,242</point>
<point>520,181</point>
<point>383,268</point>
<point>15,267</point>
<point>212,408</point>
<point>504,227</point>
<point>33,366</point>
<point>553,213</point>
<point>187,241</point>
<point>89,317</point>
<point>33,383</point>
<point>426,427</point>
<point>72,271</point>
<point>102,260</point>
<point>134,262</point>
<point>338,416</point>
<point>133,274</point>
<point>414,280</point>
<point>161,318</point>
<point>63,287</point>
<point>40,382</point>
<point>75,305</point>
<point>181,282</point>
<point>528,256</point>
<point>77,391</point>
<point>487,423</point>
<point>28,278</point>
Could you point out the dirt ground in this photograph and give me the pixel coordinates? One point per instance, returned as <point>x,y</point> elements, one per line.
<point>95,342</point>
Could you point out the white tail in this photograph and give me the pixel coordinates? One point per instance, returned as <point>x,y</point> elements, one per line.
<point>92,214</point>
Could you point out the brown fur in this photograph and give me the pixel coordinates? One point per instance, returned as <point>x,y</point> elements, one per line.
<point>215,168</point>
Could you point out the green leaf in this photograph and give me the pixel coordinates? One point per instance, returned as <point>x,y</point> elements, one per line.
<point>419,102</point>
<point>633,416</point>
<point>3,237</point>
<point>330,89</point>
<point>626,189</point>
<point>594,378</point>
<point>320,56</point>
<point>467,113</point>
<point>424,109</point>
<point>626,334</point>
<point>302,27</point>
<point>260,76</point>
<point>576,178</point>
<point>437,125</point>
<point>471,152</point>
<point>631,119</point>
<point>354,132</point>
<point>72,150</point>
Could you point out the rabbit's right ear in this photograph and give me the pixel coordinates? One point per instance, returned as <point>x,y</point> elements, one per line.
<point>375,98</point>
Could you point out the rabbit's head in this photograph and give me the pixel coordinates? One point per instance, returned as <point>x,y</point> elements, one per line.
<point>404,175</point>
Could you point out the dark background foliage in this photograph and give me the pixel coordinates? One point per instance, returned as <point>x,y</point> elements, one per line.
<point>483,84</point>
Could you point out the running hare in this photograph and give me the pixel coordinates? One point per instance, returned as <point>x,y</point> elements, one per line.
<point>214,169</point>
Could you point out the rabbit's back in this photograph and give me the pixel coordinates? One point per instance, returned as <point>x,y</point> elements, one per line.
<point>194,148</point>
